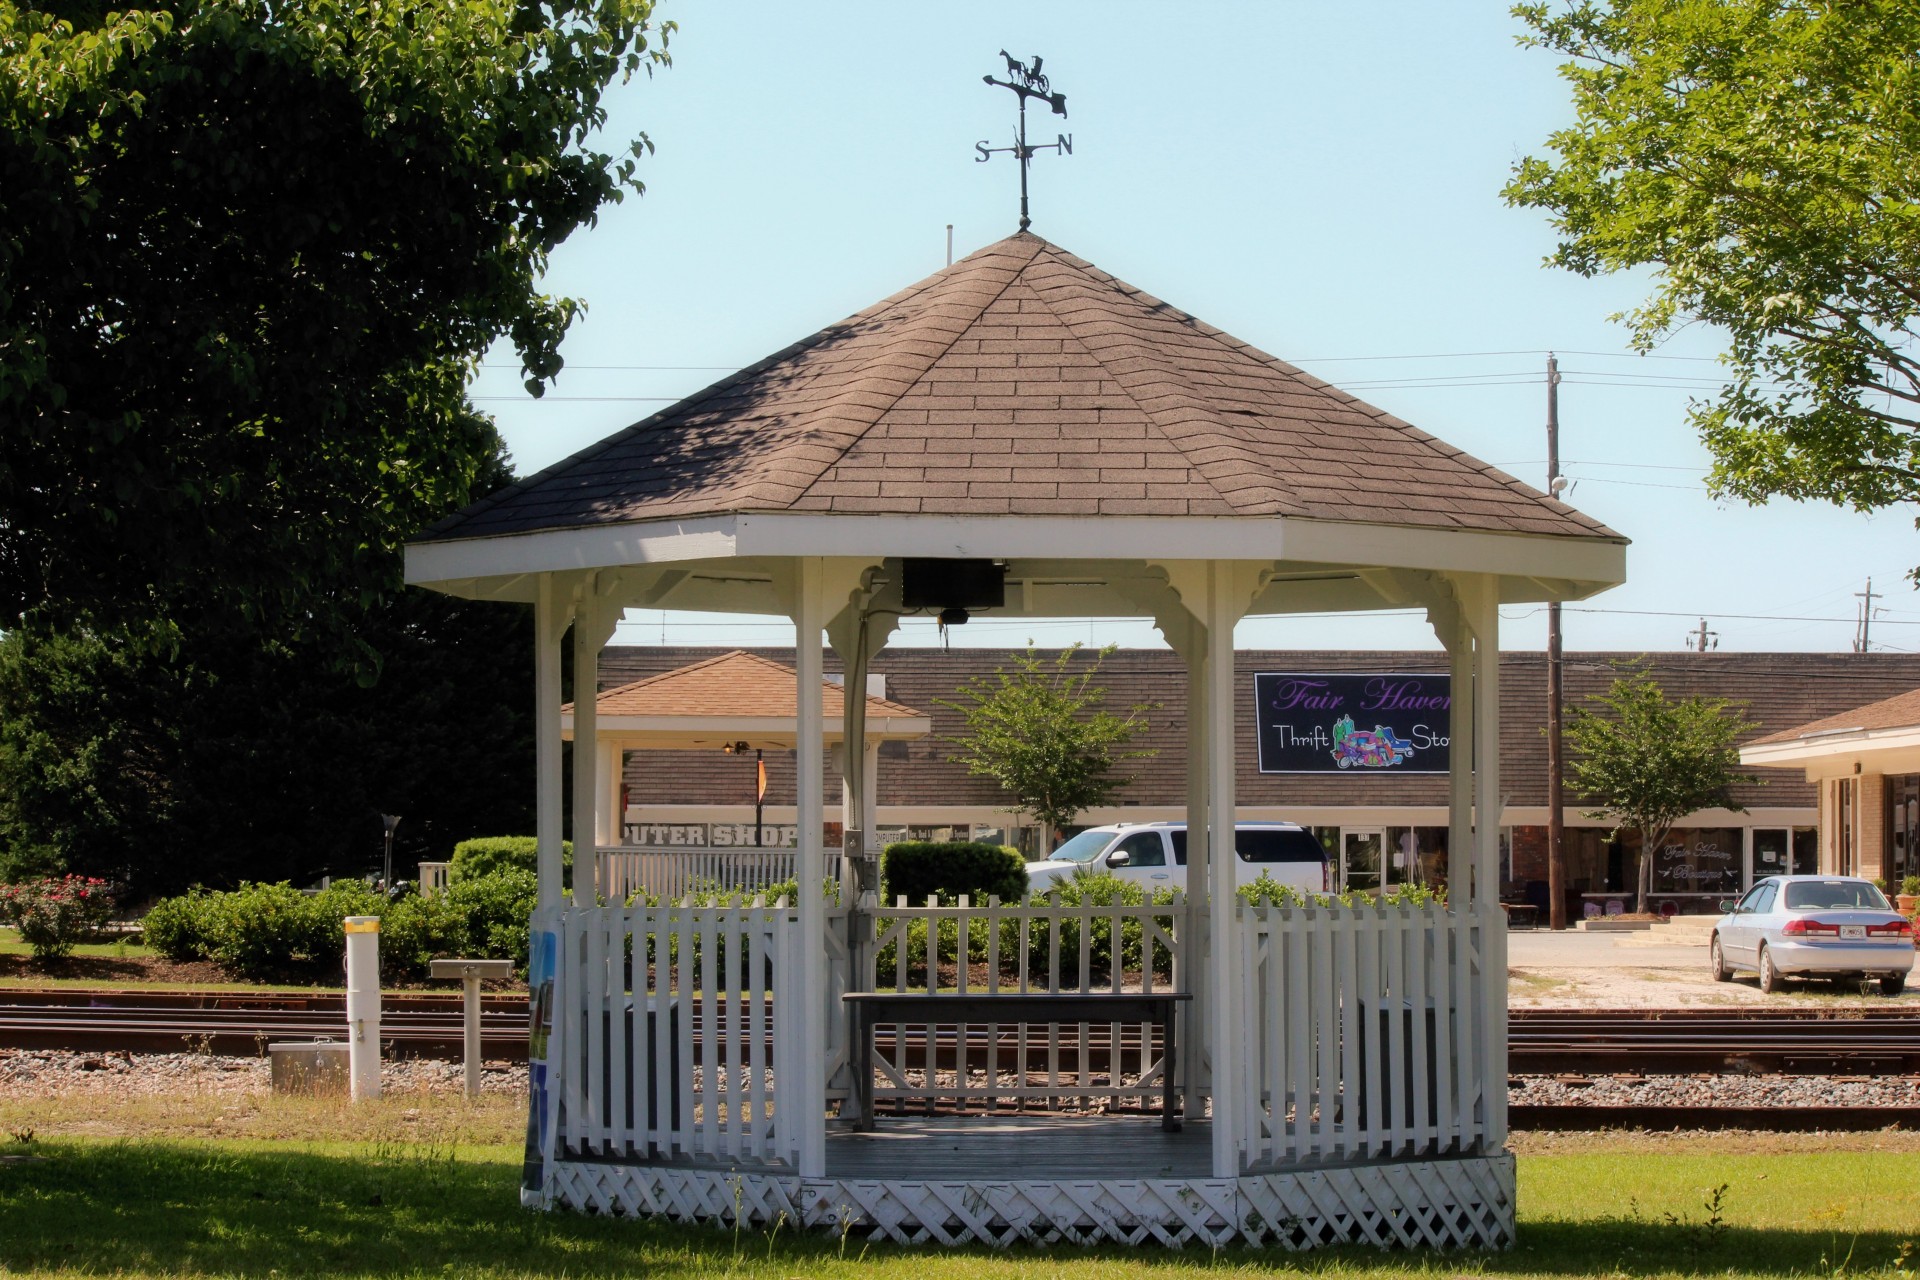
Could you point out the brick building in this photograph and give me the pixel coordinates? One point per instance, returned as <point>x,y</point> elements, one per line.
<point>1865,764</point>
<point>1383,823</point>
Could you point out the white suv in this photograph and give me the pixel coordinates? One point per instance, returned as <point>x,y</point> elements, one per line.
<point>1155,854</point>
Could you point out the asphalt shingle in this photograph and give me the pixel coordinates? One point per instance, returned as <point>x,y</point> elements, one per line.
<point>1022,380</point>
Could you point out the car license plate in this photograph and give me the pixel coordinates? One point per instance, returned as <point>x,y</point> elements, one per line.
<point>1853,931</point>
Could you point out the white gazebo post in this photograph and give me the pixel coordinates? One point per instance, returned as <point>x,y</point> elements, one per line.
<point>1227,599</point>
<point>1457,636</point>
<point>551,618</point>
<point>1194,969</point>
<point>1483,612</point>
<point>804,1104</point>
<point>593,624</point>
<point>611,765</point>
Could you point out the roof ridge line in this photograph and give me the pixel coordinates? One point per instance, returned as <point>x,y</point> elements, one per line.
<point>1290,504</point>
<point>677,671</point>
<point>1386,416</point>
<point>927,367</point>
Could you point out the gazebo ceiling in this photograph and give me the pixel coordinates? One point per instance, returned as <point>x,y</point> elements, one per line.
<point>1022,405</point>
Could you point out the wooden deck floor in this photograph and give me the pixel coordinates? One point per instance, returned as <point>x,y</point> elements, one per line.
<point>1015,1147</point>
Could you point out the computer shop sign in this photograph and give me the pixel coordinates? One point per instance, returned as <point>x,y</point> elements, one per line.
<point>1328,721</point>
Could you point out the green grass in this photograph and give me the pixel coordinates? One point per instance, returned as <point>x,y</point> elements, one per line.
<point>10,945</point>
<point>141,1207</point>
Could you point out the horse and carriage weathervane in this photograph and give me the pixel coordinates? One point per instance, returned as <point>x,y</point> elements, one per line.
<point>1027,82</point>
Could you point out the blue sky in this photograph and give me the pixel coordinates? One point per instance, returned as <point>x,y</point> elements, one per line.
<point>1319,180</point>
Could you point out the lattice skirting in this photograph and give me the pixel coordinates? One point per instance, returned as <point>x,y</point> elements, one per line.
<point>1460,1203</point>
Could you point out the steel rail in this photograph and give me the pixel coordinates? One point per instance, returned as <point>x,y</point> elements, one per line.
<point>1867,1041</point>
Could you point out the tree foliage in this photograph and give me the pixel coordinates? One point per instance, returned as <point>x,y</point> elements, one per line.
<point>1645,762</point>
<point>249,254</point>
<point>1763,157</point>
<point>1039,730</point>
<point>204,756</point>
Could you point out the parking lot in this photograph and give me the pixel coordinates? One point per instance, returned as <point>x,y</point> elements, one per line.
<point>1634,970</point>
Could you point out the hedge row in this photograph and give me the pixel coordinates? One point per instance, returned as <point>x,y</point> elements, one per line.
<point>484,855</point>
<point>261,932</point>
<point>920,869</point>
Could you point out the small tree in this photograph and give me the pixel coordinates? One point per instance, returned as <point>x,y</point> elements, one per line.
<point>1039,731</point>
<point>1646,762</point>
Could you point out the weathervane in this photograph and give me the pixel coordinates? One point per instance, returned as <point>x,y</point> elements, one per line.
<point>1027,82</point>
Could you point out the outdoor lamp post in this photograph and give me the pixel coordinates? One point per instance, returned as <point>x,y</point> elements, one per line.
<point>389,821</point>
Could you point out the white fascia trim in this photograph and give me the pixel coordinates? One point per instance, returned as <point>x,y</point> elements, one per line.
<point>1811,751</point>
<point>1593,563</point>
<point>563,550</point>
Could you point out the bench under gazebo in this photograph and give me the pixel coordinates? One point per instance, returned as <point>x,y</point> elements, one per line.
<point>1023,435</point>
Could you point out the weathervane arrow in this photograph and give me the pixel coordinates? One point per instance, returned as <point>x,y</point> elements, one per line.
<point>1027,82</point>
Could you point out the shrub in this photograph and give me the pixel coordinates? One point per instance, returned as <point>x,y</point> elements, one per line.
<point>415,931</point>
<point>182,928</point>
<point>263,931</point>
<point>1911,886</point>
<point>55,912</point>
<point>496,910</point>
<point>921,869</point>
<point>484,855</point>
<point>1101,890</point>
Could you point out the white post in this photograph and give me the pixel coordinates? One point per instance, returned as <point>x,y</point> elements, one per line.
<point>586,746</point>
<point>1459,642</point>
<point>1194,942</point>
<point>1486,736</point>
<point>611,762</point>
<point>550,623</point>
<point>805,1107</point>
<point>1223,952</point>
<point>363,1006</point>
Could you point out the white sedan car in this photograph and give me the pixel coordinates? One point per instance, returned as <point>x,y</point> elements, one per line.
<point>1839,927</point>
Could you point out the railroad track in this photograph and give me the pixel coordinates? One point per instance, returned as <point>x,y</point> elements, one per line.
<point>1856,1041</point>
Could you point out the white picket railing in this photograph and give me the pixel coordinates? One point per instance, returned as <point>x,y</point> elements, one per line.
<point>1369,1032</point>
<point>671,1022</point>
<point>668,875</point>
<point>993,948</point>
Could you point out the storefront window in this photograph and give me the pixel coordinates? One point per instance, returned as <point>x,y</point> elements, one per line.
<point>1417,855</point>
<point>1903,825</point>
<point>1699,860</point>
<point>1806,851</point>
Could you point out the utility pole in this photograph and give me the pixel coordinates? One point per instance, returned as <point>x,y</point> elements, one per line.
<point>1702,637</point>
<point>1556,812</point>
<point>1861,638</point>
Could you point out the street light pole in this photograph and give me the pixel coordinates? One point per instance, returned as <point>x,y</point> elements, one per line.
<point>389,821</point>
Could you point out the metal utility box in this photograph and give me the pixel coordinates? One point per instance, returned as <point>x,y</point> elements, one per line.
<point>311,1067</point>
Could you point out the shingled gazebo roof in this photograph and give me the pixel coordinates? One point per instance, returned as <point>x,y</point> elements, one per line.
<point>1022,380</point>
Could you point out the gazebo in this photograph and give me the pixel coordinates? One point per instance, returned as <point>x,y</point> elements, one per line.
<point>1024,434</point>
<point>733,701</point>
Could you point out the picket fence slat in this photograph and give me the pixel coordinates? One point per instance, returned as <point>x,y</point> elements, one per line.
<point>669,875</point>
<point>1369,1032</point>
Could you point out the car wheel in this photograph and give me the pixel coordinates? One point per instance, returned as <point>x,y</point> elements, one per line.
<point>1720,971</point>
<point>1770,980</point>
<point>1892,984</point>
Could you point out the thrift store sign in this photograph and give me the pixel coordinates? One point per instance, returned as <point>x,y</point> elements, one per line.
<point>1327,721</point>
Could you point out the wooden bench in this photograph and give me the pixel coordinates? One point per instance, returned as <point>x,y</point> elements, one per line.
<point>874,1008</point>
